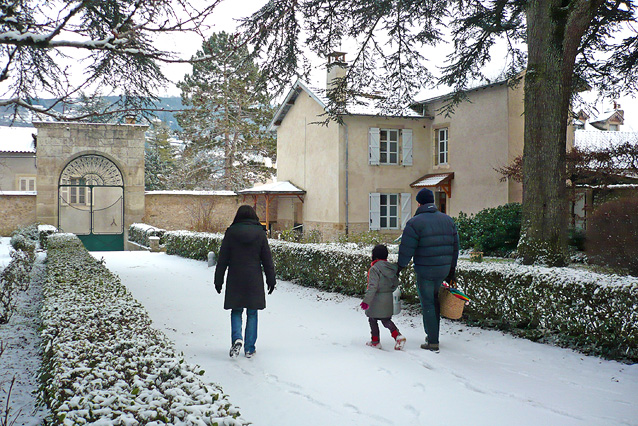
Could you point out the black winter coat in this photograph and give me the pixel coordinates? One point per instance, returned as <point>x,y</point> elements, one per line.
<point>243,252</point>
<point>430,237</point>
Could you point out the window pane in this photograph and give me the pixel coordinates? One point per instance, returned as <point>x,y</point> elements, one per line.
<point>394,199</point>
<point>384,199</point>
<point>393,159</point>
<point>393,210</point>
<point>383,157</point>
<point>31,184</point>
<point>383,222</point>
<point>394,135</point>
<point>383,134</point>
<point>393,222</point>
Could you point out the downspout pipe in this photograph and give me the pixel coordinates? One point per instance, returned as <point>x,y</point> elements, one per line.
<point>347,195</point>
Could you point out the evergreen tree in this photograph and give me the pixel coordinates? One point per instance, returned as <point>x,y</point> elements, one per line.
<point>562,40</point>
<point>158,157</point>
<point>225,125</point>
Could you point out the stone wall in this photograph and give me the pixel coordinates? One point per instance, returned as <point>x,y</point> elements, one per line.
<point>17,211</point>
<point>198,211</point>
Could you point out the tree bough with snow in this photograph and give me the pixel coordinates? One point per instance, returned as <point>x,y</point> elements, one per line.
<point>569,42</point>
<point>60,48</point>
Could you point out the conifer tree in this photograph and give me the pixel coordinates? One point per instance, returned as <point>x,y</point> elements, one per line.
<point>225,123</point>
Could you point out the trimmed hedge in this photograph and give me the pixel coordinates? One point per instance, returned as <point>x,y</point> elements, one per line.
<point>594,313</point>
<point>140,232</point>
<point>104,363</point>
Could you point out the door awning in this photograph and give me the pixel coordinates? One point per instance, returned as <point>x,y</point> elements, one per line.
<point>435,180</point>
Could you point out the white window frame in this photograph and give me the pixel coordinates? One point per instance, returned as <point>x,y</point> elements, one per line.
<point>385,149</point>
<point>442,145</point>
<point>403,210</point>
<point>26,183</point>
<point>385,212</point>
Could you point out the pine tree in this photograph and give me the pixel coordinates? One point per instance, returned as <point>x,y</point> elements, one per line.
<point>158,157</point>
<point>226,124</point>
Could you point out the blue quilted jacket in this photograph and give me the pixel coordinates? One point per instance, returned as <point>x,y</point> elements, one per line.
<point>430,238</point>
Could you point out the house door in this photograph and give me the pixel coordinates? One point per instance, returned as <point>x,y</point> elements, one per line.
<point>91,202</point>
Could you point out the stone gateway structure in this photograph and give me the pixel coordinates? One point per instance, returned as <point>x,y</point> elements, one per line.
<point>91,180</point>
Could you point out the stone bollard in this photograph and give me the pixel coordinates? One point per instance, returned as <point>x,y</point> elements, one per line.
<point>154,243</point>
<point>211,259</point>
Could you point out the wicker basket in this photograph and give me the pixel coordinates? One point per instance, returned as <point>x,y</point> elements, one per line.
<point>451,306</point>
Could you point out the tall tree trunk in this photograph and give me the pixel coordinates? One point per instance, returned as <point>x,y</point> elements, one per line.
<point>554,30</point>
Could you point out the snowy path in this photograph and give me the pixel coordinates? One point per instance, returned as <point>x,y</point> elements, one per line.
<point>312,366</point>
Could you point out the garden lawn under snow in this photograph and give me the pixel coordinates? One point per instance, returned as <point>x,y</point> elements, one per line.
<point>312,366</point>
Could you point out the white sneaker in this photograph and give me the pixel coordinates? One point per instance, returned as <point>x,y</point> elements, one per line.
<point>400,342</point>
<point>236,348</point>
<point>250,354</point>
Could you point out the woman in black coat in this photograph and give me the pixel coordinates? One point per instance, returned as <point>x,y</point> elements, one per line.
<point>244,252</point>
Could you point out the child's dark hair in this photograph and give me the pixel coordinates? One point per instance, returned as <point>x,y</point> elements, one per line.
<point>379,251</point>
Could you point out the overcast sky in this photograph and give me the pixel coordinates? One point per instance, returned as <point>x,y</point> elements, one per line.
<point>224,19</point>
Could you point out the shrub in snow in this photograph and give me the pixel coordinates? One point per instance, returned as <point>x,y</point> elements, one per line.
<point>612,235</point>
<point>494,231</point>
<point>14,278</point>
<point>193,245</point>
<point>592,312</point>
<point>140,232</point>
<point>43,233</point>
<point>103,363</point>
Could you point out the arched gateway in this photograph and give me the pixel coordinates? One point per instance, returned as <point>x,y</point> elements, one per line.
<point>91,180</point>
<point>91,202</point>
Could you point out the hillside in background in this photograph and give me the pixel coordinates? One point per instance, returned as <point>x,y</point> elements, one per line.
<point>25,118</point>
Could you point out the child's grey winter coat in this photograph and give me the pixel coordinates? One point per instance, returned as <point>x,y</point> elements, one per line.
<point>382,281</point>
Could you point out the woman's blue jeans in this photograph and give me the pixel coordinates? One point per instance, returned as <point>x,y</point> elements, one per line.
<point>429,297</point>
<point>251,328</point>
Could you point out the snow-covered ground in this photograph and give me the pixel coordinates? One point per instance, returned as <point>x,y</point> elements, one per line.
<point>312,366</point>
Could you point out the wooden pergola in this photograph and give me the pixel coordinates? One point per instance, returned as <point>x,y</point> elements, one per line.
<point>270,192</point>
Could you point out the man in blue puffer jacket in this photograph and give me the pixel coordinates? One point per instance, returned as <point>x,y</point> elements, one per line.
<point>430,238</point>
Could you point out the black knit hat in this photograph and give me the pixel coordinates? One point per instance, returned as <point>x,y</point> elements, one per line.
<point>380,252</point>
<point>425,196</point>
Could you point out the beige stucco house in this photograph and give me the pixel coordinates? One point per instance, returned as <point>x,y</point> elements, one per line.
<point>18,170</point>
<point>363,174</point>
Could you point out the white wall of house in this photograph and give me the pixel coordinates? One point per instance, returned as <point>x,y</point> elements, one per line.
<point>309,155</point>
<point>484,134</point>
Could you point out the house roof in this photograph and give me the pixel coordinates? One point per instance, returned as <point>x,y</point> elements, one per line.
<point>599,139</point>
<point>17,139</point>
<point>435,179</point>
<point>617,115</point>
<point>276,188</point>
<point>363,106</point>
<point>448,95</point>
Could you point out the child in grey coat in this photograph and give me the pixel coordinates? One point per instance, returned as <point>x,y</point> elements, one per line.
<point>382,281</point>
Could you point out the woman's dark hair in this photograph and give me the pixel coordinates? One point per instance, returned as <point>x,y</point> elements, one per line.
<point>245,212</point>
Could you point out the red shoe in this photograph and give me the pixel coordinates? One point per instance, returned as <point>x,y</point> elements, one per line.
<point>375,343</point>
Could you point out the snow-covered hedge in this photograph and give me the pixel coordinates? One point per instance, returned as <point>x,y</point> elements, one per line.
<point>193,245</point>
<point>595,313</point>
<point>591,312</point>
<point>103,363</point>
<point>139,233</point>
<point>44,231</point>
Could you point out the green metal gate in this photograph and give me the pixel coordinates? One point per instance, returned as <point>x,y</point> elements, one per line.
<point>91,202</point>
